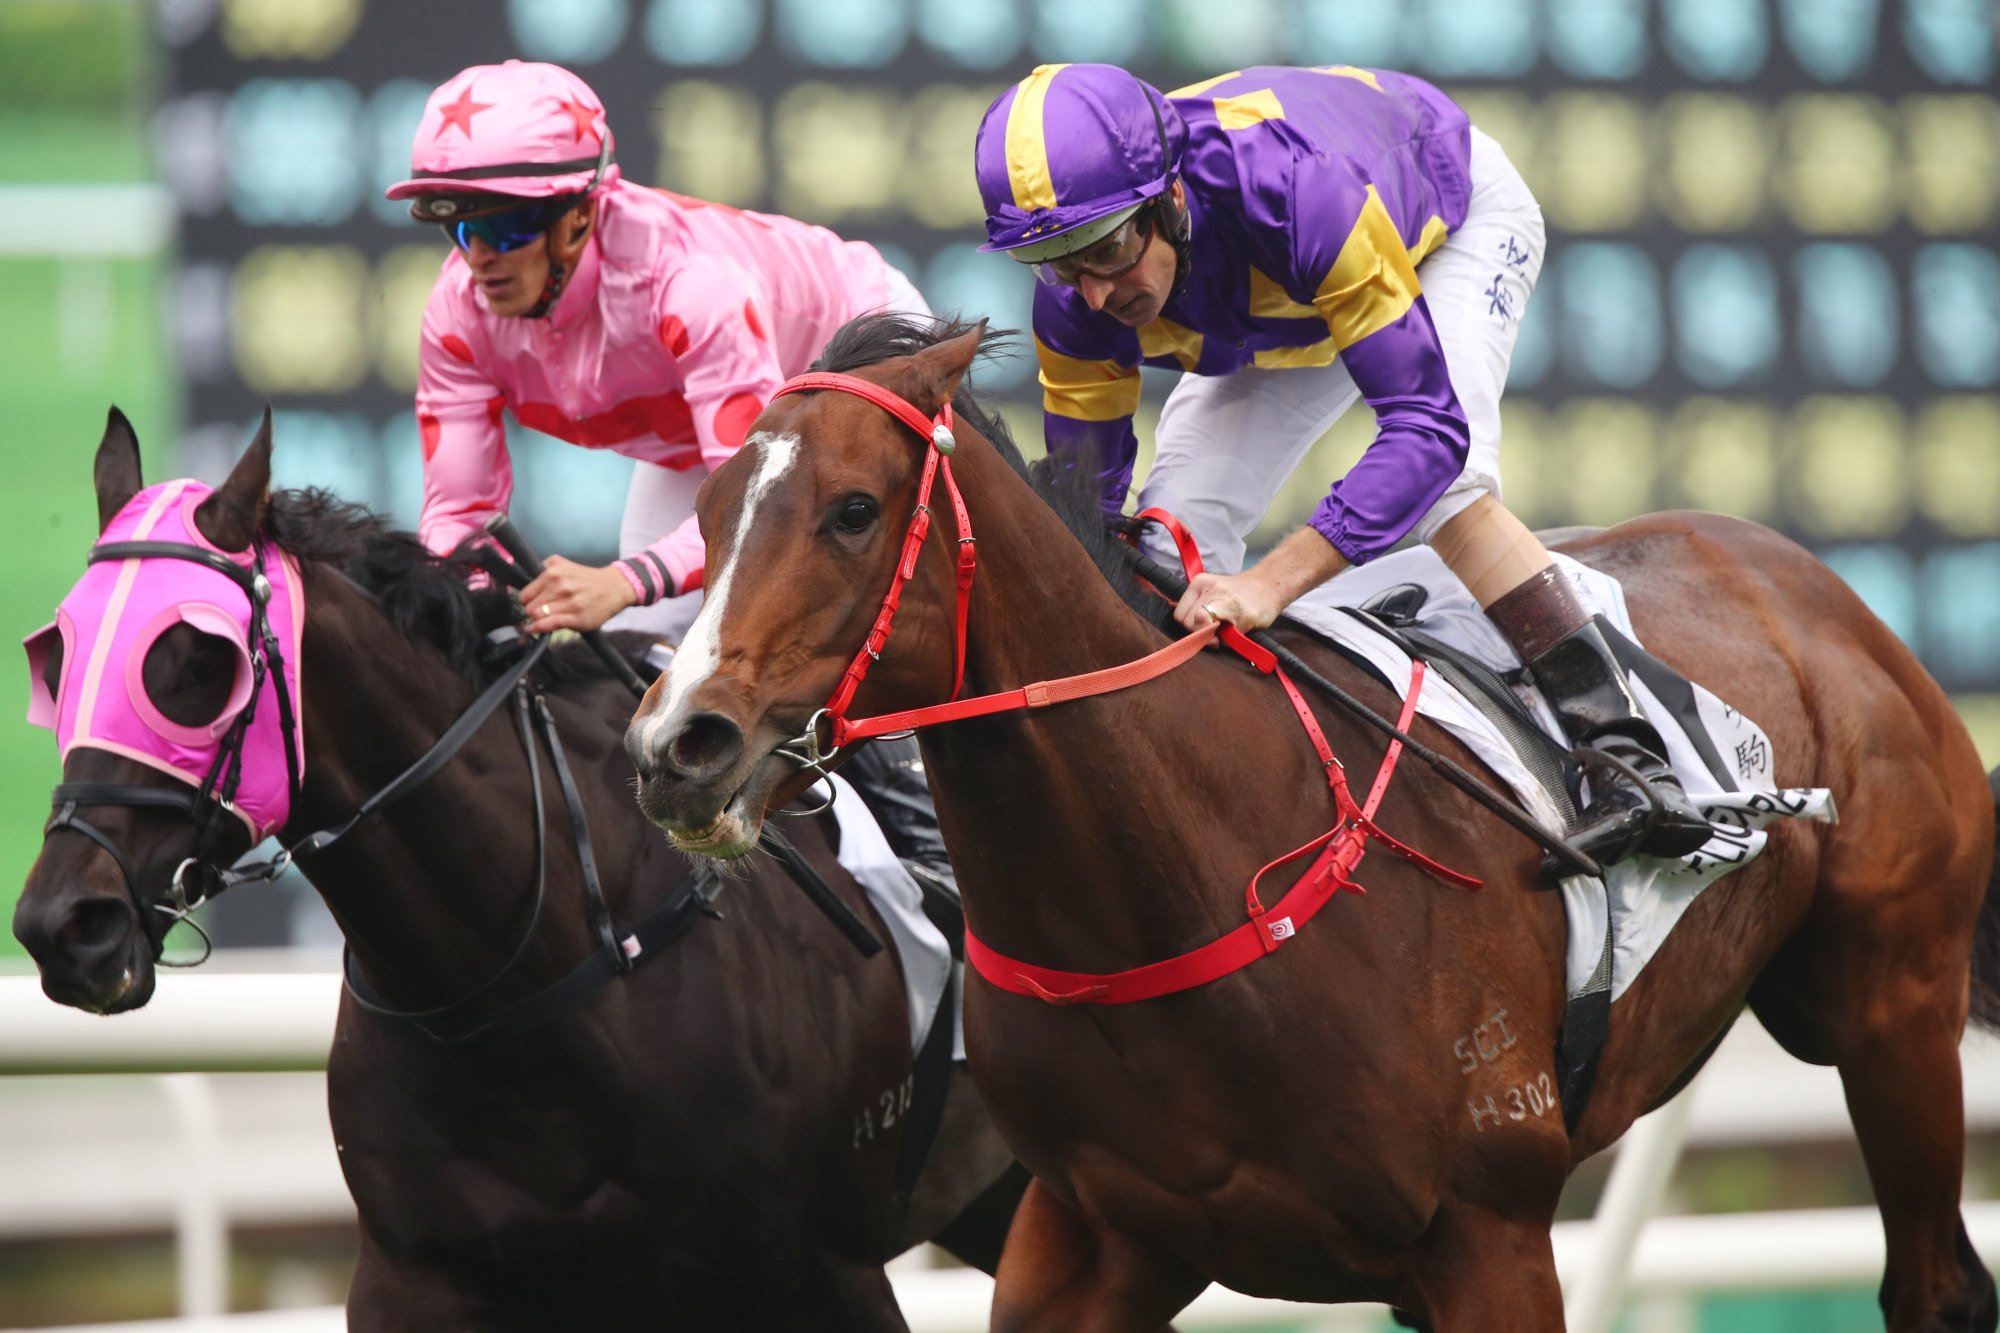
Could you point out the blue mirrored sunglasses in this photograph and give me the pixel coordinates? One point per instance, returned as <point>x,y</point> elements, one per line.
<point>502,231</point>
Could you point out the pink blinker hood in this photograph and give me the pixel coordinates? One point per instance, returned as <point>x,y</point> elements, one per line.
<point>116,612</point>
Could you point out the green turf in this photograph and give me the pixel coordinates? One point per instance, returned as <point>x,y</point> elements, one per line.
<point>54,389</point>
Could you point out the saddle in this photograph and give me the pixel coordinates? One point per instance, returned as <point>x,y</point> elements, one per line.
<point>1395,612</point>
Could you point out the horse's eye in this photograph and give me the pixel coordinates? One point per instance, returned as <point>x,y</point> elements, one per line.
<point>204,669</point>
<point>189,675</point>
<point>857,513</point>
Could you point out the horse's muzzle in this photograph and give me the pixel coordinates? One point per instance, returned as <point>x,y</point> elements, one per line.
<point>695,783</point>
<point>91,949</point>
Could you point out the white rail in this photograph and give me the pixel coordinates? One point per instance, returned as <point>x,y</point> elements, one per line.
<point>120,220</point>
<point>224,1023</point>
<point>1677,1256</point>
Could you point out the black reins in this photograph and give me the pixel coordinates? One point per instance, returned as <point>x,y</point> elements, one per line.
<point>615,954</point>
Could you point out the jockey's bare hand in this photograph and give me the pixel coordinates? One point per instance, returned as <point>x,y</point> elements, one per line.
<point>566,595</point>
<point>1244,600</point>
<point>1253,599</point>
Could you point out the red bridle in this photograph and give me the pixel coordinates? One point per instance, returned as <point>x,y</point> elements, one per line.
<point>937,434</point>
<point>1335,853</point>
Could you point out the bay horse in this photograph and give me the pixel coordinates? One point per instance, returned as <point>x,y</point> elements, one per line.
<point>1307,1127</point>
<point>702,1144</point>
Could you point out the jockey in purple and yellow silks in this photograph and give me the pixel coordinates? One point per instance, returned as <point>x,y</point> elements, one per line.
<point>1297,240</point>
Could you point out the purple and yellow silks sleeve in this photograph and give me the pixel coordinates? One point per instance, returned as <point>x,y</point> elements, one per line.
<point>1090,391</point>
<point>1368,293</point>
<point>1420,442</point>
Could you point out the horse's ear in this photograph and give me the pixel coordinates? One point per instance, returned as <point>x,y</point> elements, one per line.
<point>230,516</point>
<point>936,371</point>
<point>117,470</point>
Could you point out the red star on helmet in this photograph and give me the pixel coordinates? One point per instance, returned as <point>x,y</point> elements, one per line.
<point>460,113</point>
<point>583,119</point>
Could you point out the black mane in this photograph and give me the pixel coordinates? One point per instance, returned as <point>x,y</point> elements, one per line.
<point>1071,491</point>
<point>425,596</point>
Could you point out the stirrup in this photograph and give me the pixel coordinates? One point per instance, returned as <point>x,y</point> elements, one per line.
<point>1624,833</point>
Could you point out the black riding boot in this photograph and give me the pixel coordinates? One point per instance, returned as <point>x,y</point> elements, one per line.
<point>889,775</point>
<point>1583,682</point>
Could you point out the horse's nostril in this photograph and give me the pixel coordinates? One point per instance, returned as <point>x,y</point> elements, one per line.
<point>94,927</point>
<point>706,744</point>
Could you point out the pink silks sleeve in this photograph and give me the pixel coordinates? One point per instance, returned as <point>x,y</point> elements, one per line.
<point>467,474</point>
<point>713,318</point>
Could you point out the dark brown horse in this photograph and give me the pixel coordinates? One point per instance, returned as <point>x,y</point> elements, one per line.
<point>1305,1128</point>
<point>700,1144</point>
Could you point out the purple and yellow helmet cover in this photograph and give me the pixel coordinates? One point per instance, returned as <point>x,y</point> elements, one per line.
<point>1071,144</point>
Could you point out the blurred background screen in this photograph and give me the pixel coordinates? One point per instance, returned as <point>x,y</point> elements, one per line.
<point>1772,288</point>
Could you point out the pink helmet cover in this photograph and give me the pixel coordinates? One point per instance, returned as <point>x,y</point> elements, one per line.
<point>113,616</point>
<point>484,120</point>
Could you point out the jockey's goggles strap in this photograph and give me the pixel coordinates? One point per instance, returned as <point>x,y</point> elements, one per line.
<point>514,170</point>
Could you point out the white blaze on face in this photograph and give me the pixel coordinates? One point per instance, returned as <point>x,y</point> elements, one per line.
<point>701,651</point>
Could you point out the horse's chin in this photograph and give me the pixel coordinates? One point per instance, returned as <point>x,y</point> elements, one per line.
<point>109,990</point>
<point>135,988</point>
<point>733,818</point>
<point>732,834</point>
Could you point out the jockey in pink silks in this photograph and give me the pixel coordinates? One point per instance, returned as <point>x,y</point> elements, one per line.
<point>608,315</point>
<point>618,317</point>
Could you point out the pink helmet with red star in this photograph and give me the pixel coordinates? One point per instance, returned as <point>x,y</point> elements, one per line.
<point>522,130</point>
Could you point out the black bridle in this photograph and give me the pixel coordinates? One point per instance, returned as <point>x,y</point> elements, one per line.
<point>204,806</point>
<point>616,953</point>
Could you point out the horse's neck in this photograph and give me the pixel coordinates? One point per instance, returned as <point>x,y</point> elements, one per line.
<point>1040,608</point>
<point>1102,825</point>
<point>432,892</point>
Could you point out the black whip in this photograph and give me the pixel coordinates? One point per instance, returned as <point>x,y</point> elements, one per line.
<point>1173,584</point>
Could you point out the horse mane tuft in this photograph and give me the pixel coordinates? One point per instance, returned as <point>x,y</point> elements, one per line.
<point>425,596</point>
<point>1072,491</point>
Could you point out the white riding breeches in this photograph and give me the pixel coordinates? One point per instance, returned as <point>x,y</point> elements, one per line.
<point>1226,443</point>
<point>660,499</point>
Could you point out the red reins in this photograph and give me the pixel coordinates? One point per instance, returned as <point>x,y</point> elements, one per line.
<point>1339,849</point>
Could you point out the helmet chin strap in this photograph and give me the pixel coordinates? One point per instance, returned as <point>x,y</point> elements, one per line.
<point>1176,226</point>
<point>559,271</point>
<point>553,288</point>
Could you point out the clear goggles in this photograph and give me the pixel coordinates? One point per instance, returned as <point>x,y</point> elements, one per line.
<point>1107,259</point>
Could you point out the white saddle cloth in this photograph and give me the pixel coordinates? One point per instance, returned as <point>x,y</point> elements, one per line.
<point>1640,899</point>
<point>919,944</point>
